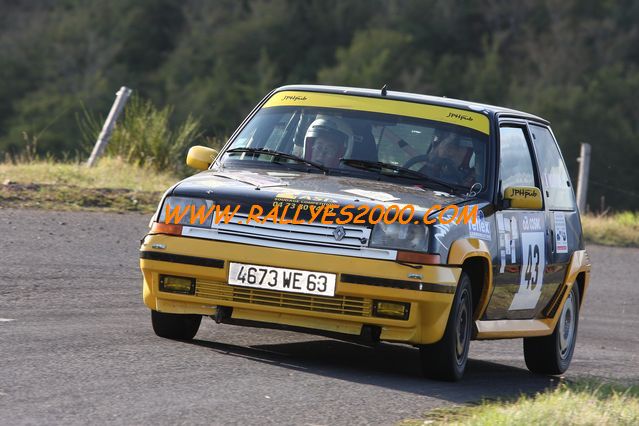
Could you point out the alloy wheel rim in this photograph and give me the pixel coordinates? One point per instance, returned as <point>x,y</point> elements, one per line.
<point>567,327</point>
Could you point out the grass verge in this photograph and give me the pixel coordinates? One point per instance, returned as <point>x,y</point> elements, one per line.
<point>619,229</point>
<point>108,173</point>
<point>112,185</point>
<point>578,403</point>
<point>116,185</point>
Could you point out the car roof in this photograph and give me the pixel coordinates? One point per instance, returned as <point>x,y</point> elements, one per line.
<point>414,97</point>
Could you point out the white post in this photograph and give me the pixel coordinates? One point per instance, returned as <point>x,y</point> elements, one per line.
<point>584,171</point>
<point>120,100</point>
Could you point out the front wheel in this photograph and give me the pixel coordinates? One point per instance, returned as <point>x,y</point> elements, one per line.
<point>175,326</point>
<point>447,359</point>
<point>552,354</point>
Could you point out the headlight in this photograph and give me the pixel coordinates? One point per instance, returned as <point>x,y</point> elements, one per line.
<point>187,211</point>
<point>413,237</point>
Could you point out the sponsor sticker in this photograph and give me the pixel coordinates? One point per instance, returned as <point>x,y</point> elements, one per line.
<point>500,222</point>
<point>472,120</point>
<point>480,229</point>
<point>443,194</point>
<point>561,236</point>
<point>254,179</point>
<point>514,229</point>
<point>373,195</point>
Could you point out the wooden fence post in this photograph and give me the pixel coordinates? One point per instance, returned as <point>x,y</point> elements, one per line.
<point>120,100</point>
<point>584,171</point>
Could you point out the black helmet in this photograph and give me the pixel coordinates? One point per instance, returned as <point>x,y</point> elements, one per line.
<point>322,127</point>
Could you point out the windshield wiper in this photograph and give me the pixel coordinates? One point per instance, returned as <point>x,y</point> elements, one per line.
<point>280,155</point>
<point>399,172</point>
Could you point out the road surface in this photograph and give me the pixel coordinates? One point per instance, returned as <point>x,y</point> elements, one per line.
<point>76,344</point>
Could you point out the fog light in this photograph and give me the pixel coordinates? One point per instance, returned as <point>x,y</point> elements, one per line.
<point>395,310</point>
<point>181,285</point>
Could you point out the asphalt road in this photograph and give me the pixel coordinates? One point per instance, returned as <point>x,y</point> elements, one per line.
<point>76,344</point>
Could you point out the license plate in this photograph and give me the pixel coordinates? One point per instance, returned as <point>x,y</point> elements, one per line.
<point>282,279</point>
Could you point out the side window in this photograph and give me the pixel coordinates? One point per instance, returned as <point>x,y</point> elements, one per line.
<point>515,163</point>
<point>554,177</point>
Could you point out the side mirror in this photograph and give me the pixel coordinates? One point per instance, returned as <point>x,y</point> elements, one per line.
<point>200,157</point>
<point>523,197</point>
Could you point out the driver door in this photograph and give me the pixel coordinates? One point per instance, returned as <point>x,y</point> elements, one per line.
<point>523,238</point>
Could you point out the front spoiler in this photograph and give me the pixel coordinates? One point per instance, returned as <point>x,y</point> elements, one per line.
<point>430,301</point>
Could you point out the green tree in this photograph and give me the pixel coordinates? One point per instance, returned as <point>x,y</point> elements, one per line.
<point>373,59</point>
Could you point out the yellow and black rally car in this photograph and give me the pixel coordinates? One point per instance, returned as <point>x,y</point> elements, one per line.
<point>440,221</point>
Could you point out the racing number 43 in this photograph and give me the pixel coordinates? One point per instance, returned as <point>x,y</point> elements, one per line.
<point>532,272</point>
<point>532,267</point>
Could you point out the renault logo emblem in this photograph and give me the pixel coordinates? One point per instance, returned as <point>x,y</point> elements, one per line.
<point>339,232</point>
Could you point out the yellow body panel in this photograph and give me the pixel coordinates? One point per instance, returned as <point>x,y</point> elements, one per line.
<point>507,329</point>
<point>462,250</point>
<point>579,263</point>
<point>428,314</point>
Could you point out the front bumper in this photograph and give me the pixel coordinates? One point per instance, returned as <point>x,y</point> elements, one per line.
<point>359,282</point>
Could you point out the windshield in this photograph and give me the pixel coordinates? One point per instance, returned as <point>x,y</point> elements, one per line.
<point>362,143</point>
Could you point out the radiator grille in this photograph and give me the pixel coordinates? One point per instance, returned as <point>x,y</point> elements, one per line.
<point>342,305</point>
<point>353,237</point>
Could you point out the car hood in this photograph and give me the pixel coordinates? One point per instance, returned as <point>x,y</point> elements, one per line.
<point>259,186</point>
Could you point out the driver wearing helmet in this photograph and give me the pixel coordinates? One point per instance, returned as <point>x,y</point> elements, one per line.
<point>325,142</point>
<point>447,158</point>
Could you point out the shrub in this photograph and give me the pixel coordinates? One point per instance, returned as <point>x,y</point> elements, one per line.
<point>144,136</point>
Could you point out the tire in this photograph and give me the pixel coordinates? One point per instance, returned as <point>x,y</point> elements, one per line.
<point>552,354</point>
<point>175,326</point>
<point>447,359</point>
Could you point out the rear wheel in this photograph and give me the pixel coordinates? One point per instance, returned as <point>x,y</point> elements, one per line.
<point>552,354</point>
<point>447,359</point>
<point>175,326</point>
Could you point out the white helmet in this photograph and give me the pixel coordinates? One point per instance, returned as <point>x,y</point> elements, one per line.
<point>323,127</point>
